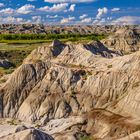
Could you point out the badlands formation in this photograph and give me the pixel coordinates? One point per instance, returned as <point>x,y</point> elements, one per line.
<point>75,92</point>
<point>65,29</point>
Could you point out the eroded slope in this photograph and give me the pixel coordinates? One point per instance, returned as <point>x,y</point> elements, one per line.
<point>71,91</point>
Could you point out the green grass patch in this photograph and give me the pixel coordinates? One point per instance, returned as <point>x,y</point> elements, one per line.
<point>16,53</point>
<point>39,38</point>
<point>87,138</point>
<point>16,42</point>
<point>4,71</point>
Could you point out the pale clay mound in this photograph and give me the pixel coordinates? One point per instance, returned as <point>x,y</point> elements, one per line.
<point>69,91</point>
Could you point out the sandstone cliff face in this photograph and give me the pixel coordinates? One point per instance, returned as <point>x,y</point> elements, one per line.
<point>69,91</point>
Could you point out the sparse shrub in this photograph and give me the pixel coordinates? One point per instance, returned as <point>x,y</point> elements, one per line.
<point>125,84</point>
<point>73,93</point>
<point>9,71</point>
<point>84,77</point>
<point>81,66</point>
<point>5,71</point>
<point>38,125</point>
<point>117,96</point>
<point>109,66</point>
<point>12,122</point>
<point>137,127</point>
<point>89,72</point>
<point>36,61</point>
<point>88,138</point>
<point>2,80</point>
<point>136,84</point>
<point>43,114</point>
<point>73,65</point>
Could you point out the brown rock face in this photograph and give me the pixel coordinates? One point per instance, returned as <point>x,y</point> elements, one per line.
<point>71,91</point>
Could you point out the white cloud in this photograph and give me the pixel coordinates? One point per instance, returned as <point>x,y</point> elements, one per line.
<point>67,20</point>
<point>11,19</point>
<point>26,9</point>
<point>55,8</point>
<point>86,20</point>
<point>72,7</point>
<point>36,19</point>
<point>115,9</point>
<point>101,12</point>
<point>102,21</point>
<point>68,1</point>
<point>1,4</point>
<point>83,16</point>
<point>54,16</point>
<point>127,20</point>
<point>7,11</point>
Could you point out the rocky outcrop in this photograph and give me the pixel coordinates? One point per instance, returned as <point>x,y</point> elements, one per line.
<point>70,91</point>
<point>125,40</point>
<point>78,54</point>
<point>45,53</point>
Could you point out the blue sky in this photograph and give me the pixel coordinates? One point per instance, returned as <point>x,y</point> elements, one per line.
<point>70,11</point>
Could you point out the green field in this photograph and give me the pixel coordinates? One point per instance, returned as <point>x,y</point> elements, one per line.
<point>15,53</point>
